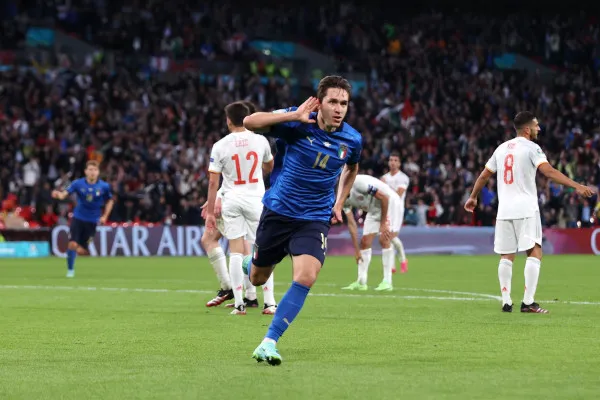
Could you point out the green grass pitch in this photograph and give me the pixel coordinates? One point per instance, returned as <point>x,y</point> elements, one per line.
<point>137,328</point>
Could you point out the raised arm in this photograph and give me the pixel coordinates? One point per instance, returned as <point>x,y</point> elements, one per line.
<point>263,121</point>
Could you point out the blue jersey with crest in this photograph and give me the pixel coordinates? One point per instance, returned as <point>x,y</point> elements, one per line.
<point>304,187</point>
<point>91,197</point>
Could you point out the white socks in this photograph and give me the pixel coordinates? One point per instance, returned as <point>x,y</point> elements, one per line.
<point>250,288</point>
<point>397,243</point>
<point>387,256</point>
<point>532,274</point>
<point>237,277</point>
<point>363,266</point>
<point>268,295</point>
<point>219,263</point>
<point>505,277</point>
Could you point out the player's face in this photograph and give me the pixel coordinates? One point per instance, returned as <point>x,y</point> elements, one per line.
<point>91,173</point>
<point>534,129</point>
<point>334,107</point>
<point>394,163</point>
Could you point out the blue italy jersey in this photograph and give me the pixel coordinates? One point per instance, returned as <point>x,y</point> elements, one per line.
<point>90,199</point>
<point>277,160</point>
<point>304,187</point>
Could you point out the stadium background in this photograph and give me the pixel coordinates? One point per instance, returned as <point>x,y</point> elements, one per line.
<point>142,88</point>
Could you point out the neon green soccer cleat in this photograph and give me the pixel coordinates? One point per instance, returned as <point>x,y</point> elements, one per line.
<point>356,286</point>
<point>384,287</point>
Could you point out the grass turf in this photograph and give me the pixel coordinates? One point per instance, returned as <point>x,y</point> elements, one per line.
<point>137,328</point>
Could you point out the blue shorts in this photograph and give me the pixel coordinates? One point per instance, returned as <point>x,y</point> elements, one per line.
<point>82,232</point>
<point>278,236</point>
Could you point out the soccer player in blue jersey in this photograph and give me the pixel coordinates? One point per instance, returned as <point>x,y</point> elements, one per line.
<point>319,149</point>
<point>92,194</point>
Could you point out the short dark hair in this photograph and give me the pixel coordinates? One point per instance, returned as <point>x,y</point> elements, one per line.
<point>395,154</point>
<point>250,105</point>
<point>335,82</point>
<point>523,119</point>
<point>92,163</point>
<point>236,112</point>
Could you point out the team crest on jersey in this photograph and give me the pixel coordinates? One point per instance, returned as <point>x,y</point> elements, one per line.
<point>98,192</point>
<point>342,151</point>
<point>89,197</point>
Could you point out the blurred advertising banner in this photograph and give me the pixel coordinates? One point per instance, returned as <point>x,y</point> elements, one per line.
<point>185,241</point>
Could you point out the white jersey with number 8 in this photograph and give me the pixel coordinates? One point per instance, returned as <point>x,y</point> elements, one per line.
<point>516,162</point>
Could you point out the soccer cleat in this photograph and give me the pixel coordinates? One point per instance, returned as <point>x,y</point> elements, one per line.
<point>384,286</point>
<point>269,310</point>
<point>222,295</point>
<point>507,308</point>
<point>247,303</point>
<point>356,286</point>
<point>241,310</point>
<point>71,273</point>
<point>246,264</point>
<point>404,267</point>
<point>267,352</point>
<point>533,308</point>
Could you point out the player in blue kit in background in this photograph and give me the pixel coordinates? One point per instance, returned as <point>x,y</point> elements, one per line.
<point>318,148</point>
<point>92,194</point>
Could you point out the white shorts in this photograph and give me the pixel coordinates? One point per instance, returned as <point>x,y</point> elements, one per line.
<point>395,218</point>
<point>514,235</point>
<point>221,226</point>
<point>240,217</point>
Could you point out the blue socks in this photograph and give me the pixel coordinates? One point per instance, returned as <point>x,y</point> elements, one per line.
<point>71,254</point>
<point>290,305</point>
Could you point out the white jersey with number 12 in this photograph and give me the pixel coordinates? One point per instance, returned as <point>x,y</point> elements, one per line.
<point>239,157</point>
<point>516,162</point>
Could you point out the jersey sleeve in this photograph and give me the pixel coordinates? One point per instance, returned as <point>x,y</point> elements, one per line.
<point>537,156</point>
<point>404,181</point>
<point>215,164</point>
<point>284,129</point>
<point>268,156</point>
<point>491,164</point>
<point>354,157</point>
<point>72,188</point>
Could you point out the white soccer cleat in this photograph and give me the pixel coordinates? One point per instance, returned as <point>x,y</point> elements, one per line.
<point>71,273</point>
<point>240,310</point>
<point>269,310</point>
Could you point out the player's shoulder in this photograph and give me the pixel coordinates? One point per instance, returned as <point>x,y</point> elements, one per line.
<point>351,134</point>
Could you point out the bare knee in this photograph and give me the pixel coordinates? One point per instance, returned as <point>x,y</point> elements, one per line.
<point>306,269</point>
<point>385,243</point>
<point>259,275</point>
<point>72,245</point>
<point>535,252</point>
<point>209,242</point>
<point>366,241</point>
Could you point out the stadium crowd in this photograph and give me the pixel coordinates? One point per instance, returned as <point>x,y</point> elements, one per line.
<point>433,94</point>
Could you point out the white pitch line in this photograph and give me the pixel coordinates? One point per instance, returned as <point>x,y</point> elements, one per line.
<point>475,296</point>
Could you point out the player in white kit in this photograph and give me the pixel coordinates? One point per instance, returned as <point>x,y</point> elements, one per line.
<point>382,205</point>
<point>518,224</point>
<point>398,181</point>
<point>216,256</point>
<point>240,157</point>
